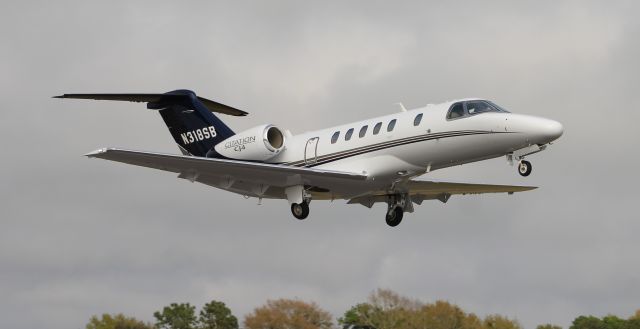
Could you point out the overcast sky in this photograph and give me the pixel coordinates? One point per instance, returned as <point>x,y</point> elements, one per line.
<point>80,237</point>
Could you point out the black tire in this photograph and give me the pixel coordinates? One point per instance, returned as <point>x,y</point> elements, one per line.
<point>394,217</point>
<point>300,210</point>
<point>524,168</point>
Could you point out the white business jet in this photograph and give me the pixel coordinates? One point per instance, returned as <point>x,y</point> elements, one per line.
<point>373,160</point>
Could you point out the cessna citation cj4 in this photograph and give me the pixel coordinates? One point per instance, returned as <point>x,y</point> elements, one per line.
<point>374,160</point>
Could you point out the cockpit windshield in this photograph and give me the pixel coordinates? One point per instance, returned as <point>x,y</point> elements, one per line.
<point>469,108</point>
<point>498,107</point>
<point>477,107</point>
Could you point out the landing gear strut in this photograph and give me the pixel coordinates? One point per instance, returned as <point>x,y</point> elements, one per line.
<point>524,168</point>
<point>300,210</point>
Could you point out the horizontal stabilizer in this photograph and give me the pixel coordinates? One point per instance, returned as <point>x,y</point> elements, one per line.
<point>157,98</point>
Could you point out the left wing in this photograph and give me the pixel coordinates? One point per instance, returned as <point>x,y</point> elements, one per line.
<point>419,191</point>
<point>222,172</point>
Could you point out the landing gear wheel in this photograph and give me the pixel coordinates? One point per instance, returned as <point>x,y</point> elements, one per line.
<point>524,168</point>
<point>394,216</point>
<point>300,210</point>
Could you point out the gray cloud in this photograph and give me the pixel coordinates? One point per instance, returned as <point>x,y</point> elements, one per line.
<point>82,237</point>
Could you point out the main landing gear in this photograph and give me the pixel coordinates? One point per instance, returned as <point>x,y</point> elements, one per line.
<point>524,168</point>
<point>300,210</point>
<point>394,216</point>
<point>299,199</point>
<point>396,206</point>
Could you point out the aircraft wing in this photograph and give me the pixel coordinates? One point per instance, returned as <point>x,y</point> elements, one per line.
<point>208,170</point>
<point>428,190</point>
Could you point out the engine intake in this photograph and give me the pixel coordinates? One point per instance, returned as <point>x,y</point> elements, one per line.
<point>274,139</point>
<point>256,144</point>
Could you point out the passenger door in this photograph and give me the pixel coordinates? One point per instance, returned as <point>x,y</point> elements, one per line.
<point>311,151</point>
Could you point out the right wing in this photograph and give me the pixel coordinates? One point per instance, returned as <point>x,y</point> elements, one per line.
<point>219,172</point>
<point>427,190</point>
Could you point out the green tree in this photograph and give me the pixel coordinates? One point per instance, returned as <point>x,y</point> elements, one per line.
<point>386,309</point>
<point>176,316</point>
<point>632,323</point>
<point>216,315</point>
<point>117,321</point>
<point>548,326</point>
<point>587,322</point>
<point>613,322</point>
<point>357,317</point>
<point>288,313</point>
<point>391,310</point>
<point>444,315</point>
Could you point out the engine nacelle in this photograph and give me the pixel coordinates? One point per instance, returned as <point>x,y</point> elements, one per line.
<point>257,144</point>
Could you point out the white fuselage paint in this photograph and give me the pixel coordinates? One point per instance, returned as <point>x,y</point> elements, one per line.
<point>411,150</point>
<point>408,150</point>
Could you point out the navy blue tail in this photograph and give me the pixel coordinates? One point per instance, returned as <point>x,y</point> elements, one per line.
<point>192,125</point>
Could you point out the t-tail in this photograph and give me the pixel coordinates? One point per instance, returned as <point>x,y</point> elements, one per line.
<point>190,118</point>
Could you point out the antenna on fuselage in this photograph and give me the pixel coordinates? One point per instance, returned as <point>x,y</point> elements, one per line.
<point>400,107</point>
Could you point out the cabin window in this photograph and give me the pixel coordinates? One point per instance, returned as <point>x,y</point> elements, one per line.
<point>417,120</point>
<point>363,131</point>
<point>376,128</point>
<point>391,125</point>
<point>335,137</point>
<point>347,136</point>
<point>456,111</point>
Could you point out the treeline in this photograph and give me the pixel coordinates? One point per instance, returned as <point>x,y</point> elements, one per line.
<point>383,309</point>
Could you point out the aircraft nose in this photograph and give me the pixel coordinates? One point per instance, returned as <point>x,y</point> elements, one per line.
<point>551,130</point>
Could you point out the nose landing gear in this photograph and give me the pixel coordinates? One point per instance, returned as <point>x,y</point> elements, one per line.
<point>524,168</point>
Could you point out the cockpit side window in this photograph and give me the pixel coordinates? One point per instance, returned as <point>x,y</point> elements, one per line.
<point>456,111</point>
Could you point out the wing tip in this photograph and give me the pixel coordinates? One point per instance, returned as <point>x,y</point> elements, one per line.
<point>97,152</point>
<point>523,189</point>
